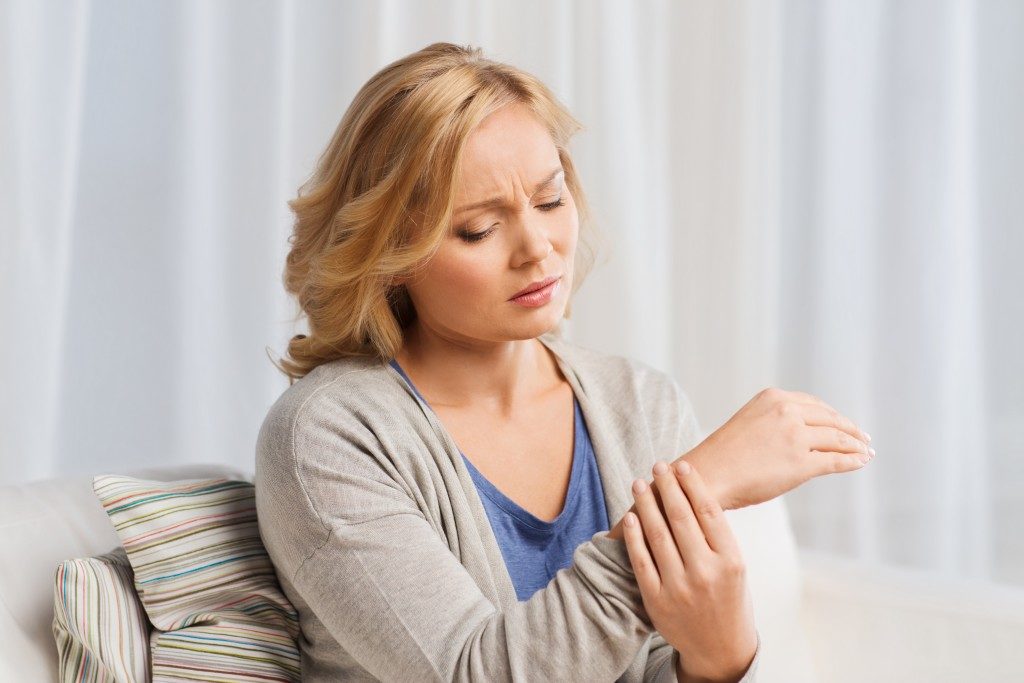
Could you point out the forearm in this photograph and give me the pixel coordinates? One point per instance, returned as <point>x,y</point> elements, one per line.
<point>698,459</point>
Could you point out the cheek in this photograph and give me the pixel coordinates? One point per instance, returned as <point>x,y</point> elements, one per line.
<point>461,276</point>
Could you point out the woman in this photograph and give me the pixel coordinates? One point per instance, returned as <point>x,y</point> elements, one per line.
<point>436,489</point>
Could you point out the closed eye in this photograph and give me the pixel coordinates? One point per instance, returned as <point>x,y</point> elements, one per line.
<point>477,236</point>
<point>553,205</point>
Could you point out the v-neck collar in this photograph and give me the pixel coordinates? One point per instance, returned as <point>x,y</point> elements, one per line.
<point>600,418</point>
<point>535,525</point>
<point>616,477</point>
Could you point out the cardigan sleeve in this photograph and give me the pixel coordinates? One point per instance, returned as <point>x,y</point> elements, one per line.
<point>363,556</point>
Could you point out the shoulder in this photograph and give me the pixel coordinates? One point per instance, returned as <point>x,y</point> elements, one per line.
<point>342,401</point>
<point>343,386</point>
<point>343,421</point>
<point>320,432</point>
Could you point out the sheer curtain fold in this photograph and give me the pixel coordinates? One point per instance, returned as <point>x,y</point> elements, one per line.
<point>883,133</point>
<point>42,78</point>
<point>816,196</point>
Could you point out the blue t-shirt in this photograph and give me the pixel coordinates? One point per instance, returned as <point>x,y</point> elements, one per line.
<point>535,549</point>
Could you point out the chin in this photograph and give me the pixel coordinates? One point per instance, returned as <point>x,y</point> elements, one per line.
<point>540,324</point>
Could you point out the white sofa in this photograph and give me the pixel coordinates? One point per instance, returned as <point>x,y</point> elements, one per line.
<point>820,618</point>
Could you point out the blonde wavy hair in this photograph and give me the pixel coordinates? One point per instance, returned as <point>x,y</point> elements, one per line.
<point>380,200</point>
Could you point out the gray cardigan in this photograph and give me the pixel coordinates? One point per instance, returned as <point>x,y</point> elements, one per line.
<point>379,538</point>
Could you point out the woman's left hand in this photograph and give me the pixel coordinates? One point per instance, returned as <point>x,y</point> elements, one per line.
<point>694,589</point>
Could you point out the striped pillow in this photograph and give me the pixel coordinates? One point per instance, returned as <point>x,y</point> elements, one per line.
<point>204,579</point>
<point>101,630</point>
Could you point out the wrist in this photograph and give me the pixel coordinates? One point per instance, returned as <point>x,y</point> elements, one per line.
<point>616,532</point>
<point>683,676</point>
<point>734,674</point>
<point>704,461</point>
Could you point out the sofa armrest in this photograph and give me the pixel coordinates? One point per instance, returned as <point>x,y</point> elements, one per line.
<point>870,623</point>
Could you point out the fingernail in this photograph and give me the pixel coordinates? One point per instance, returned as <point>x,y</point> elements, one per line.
<point>660,468</point>
<point>683,467</point>
<point>871,451</point>
<point>867,436</point>
<point>639,485</point>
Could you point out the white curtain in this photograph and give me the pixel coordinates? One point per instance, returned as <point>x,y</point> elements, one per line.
<point>819,196</point>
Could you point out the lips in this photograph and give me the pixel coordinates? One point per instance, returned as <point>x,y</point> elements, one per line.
<point>540,284</point>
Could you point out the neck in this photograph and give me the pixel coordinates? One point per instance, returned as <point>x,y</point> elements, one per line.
<point>496,376</point>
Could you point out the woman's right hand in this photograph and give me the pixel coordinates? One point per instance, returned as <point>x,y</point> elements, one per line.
<point>774,443</point>
<point>691,575</point>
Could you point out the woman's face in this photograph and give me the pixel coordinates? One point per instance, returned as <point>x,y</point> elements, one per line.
<point>529,233</point>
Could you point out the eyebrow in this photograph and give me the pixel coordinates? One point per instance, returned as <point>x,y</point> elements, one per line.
<point>498,201</point>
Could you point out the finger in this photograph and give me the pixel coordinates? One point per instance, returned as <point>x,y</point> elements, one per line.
<point>682,520</point>
<point>717,532</point>
<point>804,398</point>
<point>830,462</point>
<point>647,577</point>
<point>832,439</point>
<point>659,537</point>
<point>816,415</point>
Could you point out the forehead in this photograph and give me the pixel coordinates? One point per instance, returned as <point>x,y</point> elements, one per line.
<point>510,143</point>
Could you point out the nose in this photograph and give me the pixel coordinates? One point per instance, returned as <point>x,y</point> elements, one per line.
<point>534,244</point>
